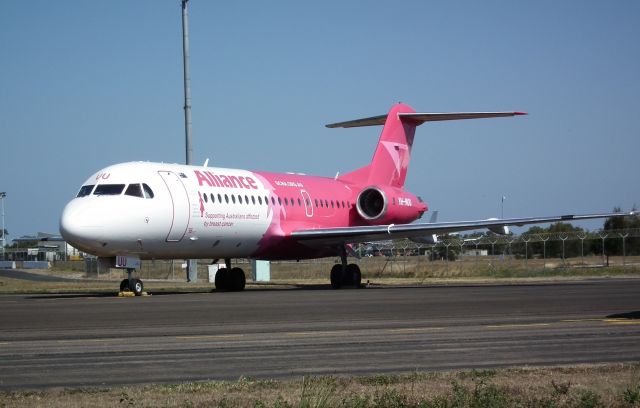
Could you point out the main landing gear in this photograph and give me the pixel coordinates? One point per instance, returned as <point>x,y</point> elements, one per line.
<point>230,279</point>
<point>344,274</point>
<point>132,284</point>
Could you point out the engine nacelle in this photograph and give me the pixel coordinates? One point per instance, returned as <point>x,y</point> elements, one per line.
<point>499,229</point>
<point>386,205</point>
<point>372,204</point>
<point>427,239</point>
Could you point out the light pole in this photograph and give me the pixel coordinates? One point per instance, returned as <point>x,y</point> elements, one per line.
<point>187,81</point>
<point>502,207</point>
<point>3,194</point>
<point>192,264</point>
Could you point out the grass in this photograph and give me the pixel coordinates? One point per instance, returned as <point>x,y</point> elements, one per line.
<point>613,385</point>
<point>163,276</point>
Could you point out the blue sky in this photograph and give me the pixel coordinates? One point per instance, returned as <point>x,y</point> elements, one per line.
<point>88,84</point>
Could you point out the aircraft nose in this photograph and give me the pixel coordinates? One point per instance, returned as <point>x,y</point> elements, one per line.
<point>78,224</point>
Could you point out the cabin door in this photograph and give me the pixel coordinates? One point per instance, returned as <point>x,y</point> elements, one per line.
<point>180,203</point>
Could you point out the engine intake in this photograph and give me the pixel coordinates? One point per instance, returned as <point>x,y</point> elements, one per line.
<point>372,203</point>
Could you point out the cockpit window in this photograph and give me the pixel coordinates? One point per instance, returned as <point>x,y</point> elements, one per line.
<point>148,193</point>
<point>85,190</point>
<point>134,190</point>
<point>108,189</point>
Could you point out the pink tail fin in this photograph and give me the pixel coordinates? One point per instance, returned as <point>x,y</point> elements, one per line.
<point>391,158</point>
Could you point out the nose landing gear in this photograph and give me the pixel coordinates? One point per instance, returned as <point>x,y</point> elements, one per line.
<point>132,284</point>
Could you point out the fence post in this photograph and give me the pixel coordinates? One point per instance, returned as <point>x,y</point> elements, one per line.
<point>526,253</point>
<point>564,258</point>
<point>603,237</point>
<point>623,236</point>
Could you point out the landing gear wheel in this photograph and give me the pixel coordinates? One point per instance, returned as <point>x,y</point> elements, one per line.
<point>238,280</point>
<point>222,282</point>
<point>124,285</point>
<point>136,286</point>
<point>336,276</point>
<point>354,274</point>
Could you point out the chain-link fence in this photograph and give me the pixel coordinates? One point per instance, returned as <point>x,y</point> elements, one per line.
<point>482,255</point>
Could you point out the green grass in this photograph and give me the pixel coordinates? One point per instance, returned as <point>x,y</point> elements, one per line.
<point>613,385</point>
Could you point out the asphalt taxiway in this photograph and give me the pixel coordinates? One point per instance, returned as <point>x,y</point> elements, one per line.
<point>80,340</point>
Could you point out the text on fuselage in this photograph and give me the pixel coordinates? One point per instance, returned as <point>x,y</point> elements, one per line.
<point>221,180</point>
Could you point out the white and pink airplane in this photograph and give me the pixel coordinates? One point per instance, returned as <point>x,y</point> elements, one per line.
<point>141,210</point>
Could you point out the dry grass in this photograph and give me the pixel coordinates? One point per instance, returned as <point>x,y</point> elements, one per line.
<point>615,385</point>
<point>164,276</point>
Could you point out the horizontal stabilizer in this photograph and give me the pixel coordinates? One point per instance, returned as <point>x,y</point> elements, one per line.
<point>419,118</point>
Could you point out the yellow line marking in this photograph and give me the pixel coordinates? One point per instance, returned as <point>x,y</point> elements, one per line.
<point>621,321</point>
<point>415,329</point>
<point>512,326</point>
<point>580,320</point>
<point>212,336</point>
<point>89,340</point>
<point>317,333</point>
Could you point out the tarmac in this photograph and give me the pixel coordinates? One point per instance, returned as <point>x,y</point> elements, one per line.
<point>83,340</point>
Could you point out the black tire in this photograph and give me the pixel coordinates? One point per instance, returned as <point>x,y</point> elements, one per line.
<point>221,279</point>
<point>124,285</point>
<point>238,280</point>
<point>336,276</point>
<point>353,270</point>
<point>136,286</point>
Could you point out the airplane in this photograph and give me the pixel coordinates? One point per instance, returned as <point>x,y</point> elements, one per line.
<point>133,211</point>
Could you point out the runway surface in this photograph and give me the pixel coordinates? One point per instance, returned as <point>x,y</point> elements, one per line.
<point>70,341</point>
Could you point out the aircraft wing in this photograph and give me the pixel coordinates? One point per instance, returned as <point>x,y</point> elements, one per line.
<point>350,235</point>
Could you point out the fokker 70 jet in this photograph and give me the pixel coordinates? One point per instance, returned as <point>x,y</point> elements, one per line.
<point>141,210</point>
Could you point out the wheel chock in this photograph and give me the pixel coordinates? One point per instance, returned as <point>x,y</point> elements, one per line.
<point>131,294</point>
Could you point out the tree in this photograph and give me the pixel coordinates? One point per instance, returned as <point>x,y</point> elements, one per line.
<point>615,226</point>
<point>560,230</point>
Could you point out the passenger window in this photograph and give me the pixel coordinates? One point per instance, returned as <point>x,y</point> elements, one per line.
<point>332,204</point>
<point>219,198</point>
<point>85,190</point>
<point>273,201</point>
<point>260,200</point>
<point>213,200</point>
<point>226,199</point>
<point>253,200</point>
<point>240,199</point>
<point>299,203</point>
<point>279,201</point>
<point>286,202</point>
<point>246,199</point>
<point>206,200</point>
<point>109,189</point>
<point>316,200</point>
<point>148,193</point>
<point>233,198</point>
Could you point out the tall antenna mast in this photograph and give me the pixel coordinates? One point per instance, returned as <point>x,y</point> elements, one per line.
<point>187,81</point>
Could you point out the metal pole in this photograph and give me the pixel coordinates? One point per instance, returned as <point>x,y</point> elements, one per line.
<point>2,196</point>
<point>192,265</point>
<point>187,81</point>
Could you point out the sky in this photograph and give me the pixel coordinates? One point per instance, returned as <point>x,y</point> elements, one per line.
<point>87,84</point>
